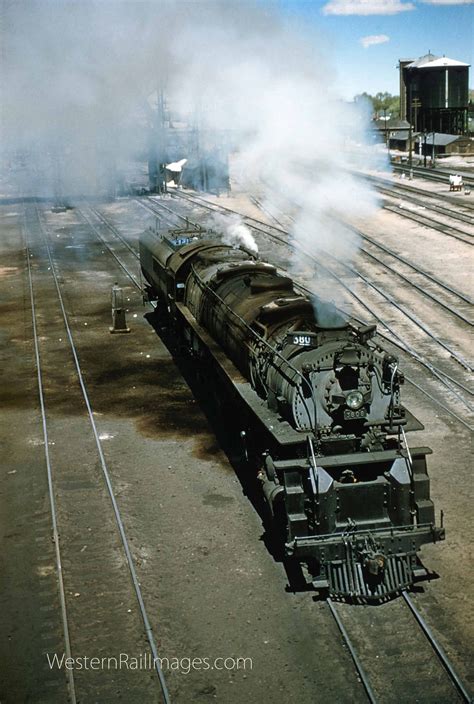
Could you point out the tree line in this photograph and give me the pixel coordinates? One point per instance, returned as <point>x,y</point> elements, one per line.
<point>383,104</point>
<point>387,105</point>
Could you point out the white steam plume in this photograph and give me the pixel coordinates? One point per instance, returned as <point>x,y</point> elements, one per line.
<point>234,232</point>
<point>77,76</point>
<point>238,235</point>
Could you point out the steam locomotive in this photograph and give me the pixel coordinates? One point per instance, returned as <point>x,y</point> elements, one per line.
<point>318,403</point>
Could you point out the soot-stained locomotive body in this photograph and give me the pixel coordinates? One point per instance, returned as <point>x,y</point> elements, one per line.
<point>318,403</point>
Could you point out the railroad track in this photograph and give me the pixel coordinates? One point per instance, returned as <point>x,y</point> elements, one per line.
<point>436,674</point>
<point>110,246</point>
<point>426,276</point>
<point>433,174</point>
<point>404,345</point>
<point>454,386</point>
<point>52,500</point>
<point>419,287</point>
<point>94,568</point>
<point>399,192</point>
<point>281,236</point>
<point>396,654</point>
<point>423,199</point>
<point>432,223</point>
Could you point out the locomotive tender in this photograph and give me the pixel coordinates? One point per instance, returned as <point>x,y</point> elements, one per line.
<point>318,401</point>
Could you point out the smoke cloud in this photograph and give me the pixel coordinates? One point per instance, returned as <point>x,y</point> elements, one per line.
<point>79,80</point>
<point>238,235</point>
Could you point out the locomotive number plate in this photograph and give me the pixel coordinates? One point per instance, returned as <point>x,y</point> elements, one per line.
<point>353,415</point>
<point>301,339</point>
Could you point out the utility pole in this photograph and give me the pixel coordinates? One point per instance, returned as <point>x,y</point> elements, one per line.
<point>385,127</point>
<point>416,105</point>
<point>410,152</point>
<point>410,137</point>
<point>157,145</point>
<point>161,135</point>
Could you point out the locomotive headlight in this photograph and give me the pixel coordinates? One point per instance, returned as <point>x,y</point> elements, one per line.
<point>354,400</point>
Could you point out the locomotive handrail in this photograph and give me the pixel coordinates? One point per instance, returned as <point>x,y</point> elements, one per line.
<point>314,478</point>
<point>410,470</point>
<point>255,334</point>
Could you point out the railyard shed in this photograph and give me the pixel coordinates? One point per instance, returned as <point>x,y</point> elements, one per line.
<point>447,144</point>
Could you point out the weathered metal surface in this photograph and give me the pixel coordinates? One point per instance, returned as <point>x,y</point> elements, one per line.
<point>322,401</point>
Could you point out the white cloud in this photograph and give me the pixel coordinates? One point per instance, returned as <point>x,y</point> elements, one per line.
<point>448,2</point>
<point>366,7</point>
<point>374,39</point>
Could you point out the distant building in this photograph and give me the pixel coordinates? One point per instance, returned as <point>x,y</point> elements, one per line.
<point>394,132</point>
<point>434,94</point>
<point>444,144</point>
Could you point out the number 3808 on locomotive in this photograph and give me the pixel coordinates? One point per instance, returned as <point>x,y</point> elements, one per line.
<point>318,401</point>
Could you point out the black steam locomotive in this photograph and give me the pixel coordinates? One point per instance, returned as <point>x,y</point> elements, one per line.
<point>319,404</point>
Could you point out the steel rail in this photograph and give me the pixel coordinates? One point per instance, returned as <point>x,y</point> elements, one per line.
<point>384,248</point>
<point>438,649</point>
<point>416,268</point>
<point>405,345</point>
<point>432,174</point>
<point>434,207</point>
<point>117,259</point>
<point>439,403</point>
<point>453,311</point>
<point>464,363</point>
<point>419,288</point>
<point>442,376</point>
<point>387,182</point>
<point>435,645</point>
<point>407,378</point>
<point>120,525</point>
<point>150,202</point>
<point>400,189</point>
<point>358,665</point>
<point>398,342</point>
<point>52,501</point>
<point>448,230</point>
<point>248,217</point>
<point>113,229</point>
<point>265,210</point>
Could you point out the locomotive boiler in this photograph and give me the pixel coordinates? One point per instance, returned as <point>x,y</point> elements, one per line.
<point>318,402</point>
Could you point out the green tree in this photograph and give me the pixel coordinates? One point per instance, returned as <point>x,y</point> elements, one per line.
<point>383,104</point>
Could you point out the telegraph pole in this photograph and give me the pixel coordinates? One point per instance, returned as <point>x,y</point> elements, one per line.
<point>410,152</point>
<point>410,137</point>
<point>157,145</point>
<point>416,106</point>
<point>161,136</point>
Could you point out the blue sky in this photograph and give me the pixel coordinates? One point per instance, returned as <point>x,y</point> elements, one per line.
<point>441,26</point>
